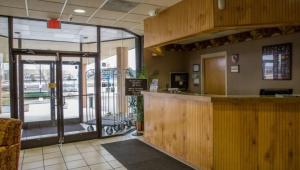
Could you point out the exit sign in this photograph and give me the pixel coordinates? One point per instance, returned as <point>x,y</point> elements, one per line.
<point>54,24</point>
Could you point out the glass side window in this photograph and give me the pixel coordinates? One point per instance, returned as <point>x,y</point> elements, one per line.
<point>4,70</point>
<point>118,62</point>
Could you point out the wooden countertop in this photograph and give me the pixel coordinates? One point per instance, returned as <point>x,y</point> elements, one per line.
<point>226,98</point>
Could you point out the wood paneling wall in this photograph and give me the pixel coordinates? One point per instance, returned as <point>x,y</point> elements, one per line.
<point>184,19</point>
<point>226,133</point>
<point>257,12</point>
<point>252,135</point>
<point>180,127</point>
<point>200,18</point>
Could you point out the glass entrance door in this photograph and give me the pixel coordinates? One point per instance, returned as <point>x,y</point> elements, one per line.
<point>57,98</point>
<point>78,93</point>
<point>37,99</point>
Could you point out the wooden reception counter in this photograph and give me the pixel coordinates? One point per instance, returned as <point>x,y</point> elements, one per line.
<point>225,132</point>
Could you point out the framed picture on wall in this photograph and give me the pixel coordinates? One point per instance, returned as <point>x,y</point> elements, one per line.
<point>277,62</point>
<point>196,67</point>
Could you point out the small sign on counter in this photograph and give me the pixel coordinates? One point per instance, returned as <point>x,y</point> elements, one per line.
<point>133,87</point>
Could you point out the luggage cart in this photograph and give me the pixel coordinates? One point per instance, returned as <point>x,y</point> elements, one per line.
<point>108,123</point>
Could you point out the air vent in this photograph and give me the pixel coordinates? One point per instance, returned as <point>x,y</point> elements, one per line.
<point>119,5</point>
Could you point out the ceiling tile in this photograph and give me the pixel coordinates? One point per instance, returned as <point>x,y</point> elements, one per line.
<point>104,22</point>
<point>144,9</point>
<point>140,32</point>
<point>42,15</point>
<point>119,5</point>
<point>134,18</point>
<point>44,6</point>
<point>58,1</point>
<point>165,3</point>
<point>77,19</point>
<point>82,3</point>
<point>13,3</point>
<point>105,14</point>
<point>139,27</point>
<point>12,11</point>
<point>123,24</point>
<point>87,3</point>
<point>70,10</point>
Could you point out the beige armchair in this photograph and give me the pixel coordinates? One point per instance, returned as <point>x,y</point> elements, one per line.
<point>10,135</point>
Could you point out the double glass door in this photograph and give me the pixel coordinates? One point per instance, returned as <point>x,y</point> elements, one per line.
<point>56,98</point>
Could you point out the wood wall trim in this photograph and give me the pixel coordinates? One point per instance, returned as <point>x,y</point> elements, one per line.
<point>225,98</point>
<point>179,96</point>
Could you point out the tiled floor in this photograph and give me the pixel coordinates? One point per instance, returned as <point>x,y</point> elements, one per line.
<point>86,155</point>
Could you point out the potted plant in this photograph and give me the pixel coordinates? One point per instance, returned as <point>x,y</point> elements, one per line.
<point>140,104</point>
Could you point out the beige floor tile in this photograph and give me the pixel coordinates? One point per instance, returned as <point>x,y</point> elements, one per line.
<point>76,164</point>
<point>82,168</point>
<point>51,146</point>
<point>75,157</point>
<point>56,167</point>
<point>86,149</point>
<point>32,165</point>
<point>52,155</point>
<point>41,168</point>
<point>28,159</point>
<point>98,147</point>
<point>94,160</point>
<point>33,152</point>
<point>69,151</point>
<point>109,158</point>
<point>21,153</point>
<point>68,147</point>
<point>96,141</point>
<point>20,159</point>
<point>51,150</point>
<point>67,144</point>
<point>90,154</point>
<point>102,166</point>
<point>121,168</point>
<point>34,149</point>
<point>115,164</point>
<point>53,161</point>
<point>104,152</point>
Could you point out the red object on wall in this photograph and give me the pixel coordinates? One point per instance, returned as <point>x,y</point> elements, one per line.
<point>54,24</point>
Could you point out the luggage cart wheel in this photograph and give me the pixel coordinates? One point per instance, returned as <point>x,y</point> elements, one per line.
<point>109,130</point>
<point>122,126</point>
<point>117,128</point>
<point>129,123</point>
<point>90,128</point>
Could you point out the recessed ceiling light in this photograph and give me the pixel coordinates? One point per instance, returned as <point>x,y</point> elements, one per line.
<point>80,11</point>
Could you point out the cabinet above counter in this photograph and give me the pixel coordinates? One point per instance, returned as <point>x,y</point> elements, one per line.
<point>202,19</point>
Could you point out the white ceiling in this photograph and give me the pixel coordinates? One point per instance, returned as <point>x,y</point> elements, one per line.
<point>46,9</point>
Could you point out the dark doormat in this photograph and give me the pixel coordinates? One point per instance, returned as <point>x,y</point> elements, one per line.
<point>136,155</point>
<point>50,130</point>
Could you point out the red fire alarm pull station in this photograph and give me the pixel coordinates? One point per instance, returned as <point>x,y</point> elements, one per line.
<point>54,24</point>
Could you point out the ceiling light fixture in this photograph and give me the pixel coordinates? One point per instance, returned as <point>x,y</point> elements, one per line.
<point>80,11</point>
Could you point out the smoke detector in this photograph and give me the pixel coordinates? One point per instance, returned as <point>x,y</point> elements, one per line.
<point>153,12</point>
